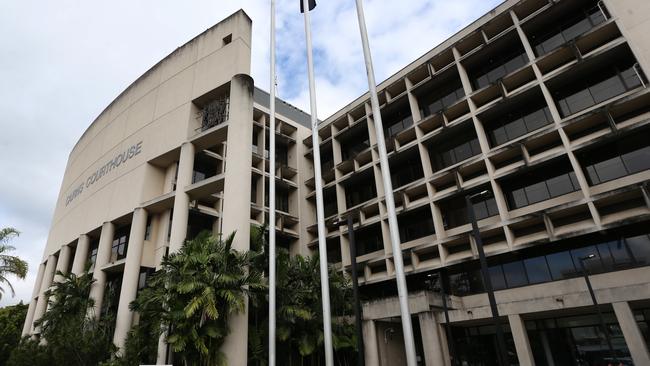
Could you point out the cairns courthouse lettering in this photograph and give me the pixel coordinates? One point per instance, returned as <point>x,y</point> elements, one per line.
<point>122,157</point>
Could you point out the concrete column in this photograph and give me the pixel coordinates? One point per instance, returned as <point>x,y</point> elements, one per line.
<point>236,204</point>
<point>63,262</point>
<point>29,319</point>
<point>81,254</point>
<point>131,276</point>
<point>370,349</point>
<point>161,237</point>
<point>631,333</point>
<point>434,354</point>
<point>524,352</point>
<point>182,199</point>
<point>103,256</point>
<point>48,276</point>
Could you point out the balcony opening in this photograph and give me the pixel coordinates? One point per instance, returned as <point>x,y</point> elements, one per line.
<point>329,201</point>
<point>453,146</point>
<point>496,60</point>
<point>281,197</point>
<point>326,157</point>
<point>213,108</point>
<point>354,141</point>
<point>439,94</point>
<point>396,118</point>
<point>563,23</point>
<point>207,164</point>
<point>454,209</point>
<point>368,239</point>
<point>619,158</point>
<point>198,222</point>
<point>405,167</point>
<point>516,118</point>
<point>595,82</point>
<point>333,250</point>
<point>92,253</point>
<point>543,182</point>
<point>415,224</point>
<point>360,188</point>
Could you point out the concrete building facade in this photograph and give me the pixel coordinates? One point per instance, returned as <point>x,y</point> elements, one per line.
<point>542,103</point>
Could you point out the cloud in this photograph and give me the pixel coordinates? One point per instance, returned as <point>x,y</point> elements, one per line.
<point>65,61</point>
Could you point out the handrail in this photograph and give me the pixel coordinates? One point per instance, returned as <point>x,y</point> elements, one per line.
<point>601,6</point>
<point>636,67</point>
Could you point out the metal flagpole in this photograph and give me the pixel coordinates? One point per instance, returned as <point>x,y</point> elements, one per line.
<point>272,195</point>
<point>320,216</point>
<point>402,290</point>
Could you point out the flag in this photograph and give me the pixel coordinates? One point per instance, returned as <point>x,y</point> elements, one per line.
<point>312,5</point>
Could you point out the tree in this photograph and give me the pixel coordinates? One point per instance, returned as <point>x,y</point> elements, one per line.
<point>11,324</point>
<point>299,320</point>
<point>195,291</point>
<point>10,265</point>
<point>72,336</point>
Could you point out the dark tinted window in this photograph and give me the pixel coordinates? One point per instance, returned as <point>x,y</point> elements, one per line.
<point>461,145</point>
<point>560,265</point>
<point>537,270</point>
<point>622,157</point>
<point>415,224</point>
<point>541,184</point>
<point>513,125</point>
<point>437,99</point>
<point>515,274</point>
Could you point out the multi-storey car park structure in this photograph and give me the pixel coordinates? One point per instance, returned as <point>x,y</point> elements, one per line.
<point>543,103</point>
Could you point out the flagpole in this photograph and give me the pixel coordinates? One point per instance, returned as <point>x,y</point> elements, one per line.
<point>320,216</point>
<point>272,255</point>
<point>402,290</point>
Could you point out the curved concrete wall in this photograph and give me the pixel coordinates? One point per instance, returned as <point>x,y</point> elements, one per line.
<point>108,174</point>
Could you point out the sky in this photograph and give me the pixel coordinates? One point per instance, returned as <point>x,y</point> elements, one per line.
<point>62,62</point>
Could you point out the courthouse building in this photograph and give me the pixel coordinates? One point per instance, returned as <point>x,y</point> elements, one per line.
<point>544,103</point>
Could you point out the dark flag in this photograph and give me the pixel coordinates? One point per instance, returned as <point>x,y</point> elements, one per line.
<point>312,5</point>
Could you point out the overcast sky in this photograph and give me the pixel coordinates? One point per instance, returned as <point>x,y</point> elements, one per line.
<point>62,62</point>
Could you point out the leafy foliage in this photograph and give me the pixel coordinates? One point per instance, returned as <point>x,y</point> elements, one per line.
<point>299,312</point>
<point>71,335</point>
<point>196,291</point>
<point>10,265</point>
<point>11,323</point>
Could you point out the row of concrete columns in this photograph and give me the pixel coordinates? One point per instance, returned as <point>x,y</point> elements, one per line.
<point>436,350</point>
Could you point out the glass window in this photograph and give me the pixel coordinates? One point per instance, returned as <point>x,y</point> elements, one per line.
<point>620,252</point>
<point>560,265</point>
<point>639,248</point>
<point>537,192</point>
<point>560,185</point>
<point>638,160</point>
<point>537,270</point>
<point>593,265</point>
<point>515,274</point>
<point>496,276</point>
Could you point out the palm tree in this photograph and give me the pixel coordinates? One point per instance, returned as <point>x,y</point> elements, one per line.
<point>196,291</point>
<point>10,265</point>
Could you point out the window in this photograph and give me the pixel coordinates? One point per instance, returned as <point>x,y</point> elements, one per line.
<point>329,201</point>
<point>397,121</point>
<point>533,187</point>
<point>281,198</point>
<point>579,92</point>
<point>496,68</point>
<point>434,101</point>
<point>92,254</point>
<point>454,149</point>
<point>368,240</point>
<point>615,253</point>
<point>415,224</point>
<point>516,124</point>
<point>537,270</point>
<point>227,39</point>
<point>354,141</point>
<point>572,28</point>
<point>617,159</point>
<point>120,243</point>
<point>360,189</point>
<point>147,230</point>
<point>454,210</point>
<point>404,170</point>
<point>515,274</point>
